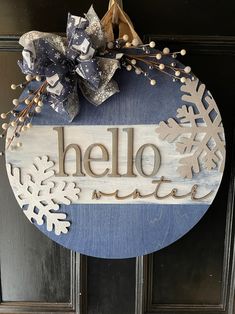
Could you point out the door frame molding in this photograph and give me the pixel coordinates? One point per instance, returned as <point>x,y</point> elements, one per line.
<point>77,268</point>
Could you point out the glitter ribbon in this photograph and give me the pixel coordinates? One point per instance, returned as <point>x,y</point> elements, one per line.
<point>70,63</point>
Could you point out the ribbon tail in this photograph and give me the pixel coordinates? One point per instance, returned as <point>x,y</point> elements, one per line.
<point>69,108</point>
<point>116,15</point>
<point>63,96</point>
<point>107,88</point>
<point>101,95</point>
<point>72,106</point>
<point>95,30</point>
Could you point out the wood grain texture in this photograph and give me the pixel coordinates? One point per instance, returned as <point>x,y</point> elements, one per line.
<point>42,140</point>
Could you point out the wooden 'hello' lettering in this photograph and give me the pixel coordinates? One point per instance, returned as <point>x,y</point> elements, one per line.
<point>85,162</point>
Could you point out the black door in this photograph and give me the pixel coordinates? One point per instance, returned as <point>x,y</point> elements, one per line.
<point>193,275</point>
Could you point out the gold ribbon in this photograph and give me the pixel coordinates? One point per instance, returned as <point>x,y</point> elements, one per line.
<point>116,16</point>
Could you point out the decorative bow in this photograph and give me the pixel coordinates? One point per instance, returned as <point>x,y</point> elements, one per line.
<point>70,63</point>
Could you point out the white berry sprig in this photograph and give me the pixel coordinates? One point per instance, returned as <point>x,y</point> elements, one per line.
<point>21,116</point>
<point>150,58</point>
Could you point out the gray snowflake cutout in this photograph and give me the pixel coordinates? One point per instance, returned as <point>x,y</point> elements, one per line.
<point>209,151</point>
<point>40,197</point>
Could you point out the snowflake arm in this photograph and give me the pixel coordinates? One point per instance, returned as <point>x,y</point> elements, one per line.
<point>170,131</point>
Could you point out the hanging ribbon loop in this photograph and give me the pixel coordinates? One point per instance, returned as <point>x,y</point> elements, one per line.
<point>116,16</point>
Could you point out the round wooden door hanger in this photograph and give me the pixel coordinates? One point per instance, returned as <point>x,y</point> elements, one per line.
<point>126,178</point>
<point>107,173</point>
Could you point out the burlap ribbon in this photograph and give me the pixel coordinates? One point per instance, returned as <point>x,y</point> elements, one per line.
<point>116,16</point>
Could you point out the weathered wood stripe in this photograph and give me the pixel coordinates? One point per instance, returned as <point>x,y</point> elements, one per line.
<point>42,140</point>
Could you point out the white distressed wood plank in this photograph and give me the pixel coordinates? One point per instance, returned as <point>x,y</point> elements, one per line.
<point>42,140</point>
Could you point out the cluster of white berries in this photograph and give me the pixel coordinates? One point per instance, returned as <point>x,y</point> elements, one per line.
<point>132,61</point>
<point>123,42</point>
<point>22,118</point>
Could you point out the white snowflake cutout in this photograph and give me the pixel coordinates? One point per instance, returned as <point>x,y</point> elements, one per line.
<point>201,119</point>
<point>40,197</point>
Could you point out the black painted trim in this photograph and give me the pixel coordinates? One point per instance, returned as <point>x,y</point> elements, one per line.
<point>229,258</point>
<point>83,302</point>
<point>196,44</point>
<point>9,43</point>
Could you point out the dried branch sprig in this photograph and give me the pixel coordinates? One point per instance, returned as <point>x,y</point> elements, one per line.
<point>150,58</point>
<point>21,116</point>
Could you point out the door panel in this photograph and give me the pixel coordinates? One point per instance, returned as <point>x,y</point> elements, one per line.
<point>110,286</point>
